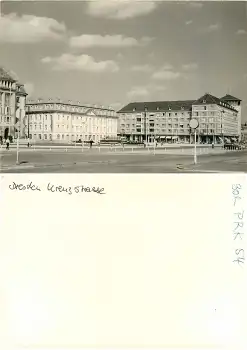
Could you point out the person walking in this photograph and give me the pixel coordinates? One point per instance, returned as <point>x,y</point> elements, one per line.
<point>28,142</point>
<point>7,144</point>
<point>91,143</point>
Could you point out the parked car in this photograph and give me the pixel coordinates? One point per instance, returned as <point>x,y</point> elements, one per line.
<point>234,146</point>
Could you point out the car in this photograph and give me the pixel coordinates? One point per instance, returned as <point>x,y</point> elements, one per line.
<point>233,146</point>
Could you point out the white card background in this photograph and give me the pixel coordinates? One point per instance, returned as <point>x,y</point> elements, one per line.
<point>148,264</point>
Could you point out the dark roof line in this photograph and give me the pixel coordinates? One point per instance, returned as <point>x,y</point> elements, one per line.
<point>174,105</point>
<point>230,98</point>
<point>4,74</point>
<point>91,107</point>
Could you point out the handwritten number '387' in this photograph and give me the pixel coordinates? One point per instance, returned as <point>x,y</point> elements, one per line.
<point>235,192</point>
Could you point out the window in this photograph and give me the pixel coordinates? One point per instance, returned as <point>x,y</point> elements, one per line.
<point>205,107</point>
<point>58,136</point>
<point>45,136</point>
<point>138,119</point>
<point>40,136</point>
<point>151,130</point>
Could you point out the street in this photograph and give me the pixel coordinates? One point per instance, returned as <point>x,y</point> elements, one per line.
<point>93,161</point>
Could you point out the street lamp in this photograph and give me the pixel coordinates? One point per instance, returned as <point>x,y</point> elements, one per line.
<point>222,132</point>
<point>194,125</point>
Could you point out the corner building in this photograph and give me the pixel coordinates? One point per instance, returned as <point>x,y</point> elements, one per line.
<point>168,121</point>
<point>55,120</point>
<point>12,106</point>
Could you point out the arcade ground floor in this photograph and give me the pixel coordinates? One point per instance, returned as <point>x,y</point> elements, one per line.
<point>207,139</point>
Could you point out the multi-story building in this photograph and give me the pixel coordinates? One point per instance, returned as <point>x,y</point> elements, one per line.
<point>244,132</point>
<point>169,120</point>
<point>57,120</point>
<point>12,105</point>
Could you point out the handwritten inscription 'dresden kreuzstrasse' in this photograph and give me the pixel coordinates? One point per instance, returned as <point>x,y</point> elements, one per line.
<point>52,188</point>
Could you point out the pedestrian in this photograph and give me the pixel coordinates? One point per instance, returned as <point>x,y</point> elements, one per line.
<point>7,144</point>
<point>212,145</point>
<point>91,143</point>
<point>28,142</point>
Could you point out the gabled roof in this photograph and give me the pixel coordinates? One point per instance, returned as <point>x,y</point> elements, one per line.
<point>4,74</point>
<point>210,99</point>
<point>230,98</point>
<point>157,106</point>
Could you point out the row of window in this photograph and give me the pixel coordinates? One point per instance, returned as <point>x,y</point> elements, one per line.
<point>67,127</point>
<point>69,117</point>
<point>155,115</point>
<point>210,121</point>
<point>171,132</point>
<point>66,137</point>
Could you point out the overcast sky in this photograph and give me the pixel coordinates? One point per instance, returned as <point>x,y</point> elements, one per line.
<point>111,53</point>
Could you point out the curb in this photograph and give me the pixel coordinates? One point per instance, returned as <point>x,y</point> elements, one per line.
<point>63,165</point>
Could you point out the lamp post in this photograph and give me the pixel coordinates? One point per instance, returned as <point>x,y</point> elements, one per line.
<point>194,125</point>
<point>83,135</point>
<point>222,132</point>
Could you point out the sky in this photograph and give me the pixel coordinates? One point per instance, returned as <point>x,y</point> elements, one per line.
<point>113,52</point>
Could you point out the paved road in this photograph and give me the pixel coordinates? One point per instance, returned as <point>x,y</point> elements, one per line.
<point>114,162</point>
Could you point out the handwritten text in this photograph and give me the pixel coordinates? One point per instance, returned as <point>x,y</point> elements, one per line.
<point>54,188</point>
<point>238,223</point>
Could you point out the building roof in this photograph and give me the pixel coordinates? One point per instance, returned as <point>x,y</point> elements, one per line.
<point>157,106</point>
<point>59,101</point>
<point>210,99</point>
<point>230,98</point>
<point>21,90</point>
<point>4,74</point>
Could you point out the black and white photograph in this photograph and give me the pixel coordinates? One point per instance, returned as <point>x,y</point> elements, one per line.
<point>102,104</point>
<point>123,87</point>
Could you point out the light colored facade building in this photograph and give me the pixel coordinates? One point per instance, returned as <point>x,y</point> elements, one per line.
<point>168,121</point>
<point>60,121</point>
<point>12,106</point>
